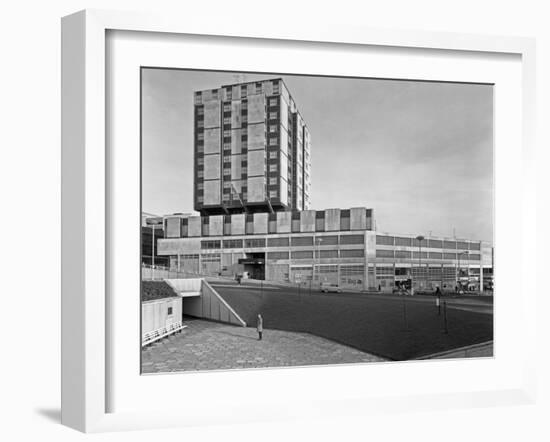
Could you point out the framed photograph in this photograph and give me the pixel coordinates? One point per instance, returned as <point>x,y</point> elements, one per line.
<point>322,218</point>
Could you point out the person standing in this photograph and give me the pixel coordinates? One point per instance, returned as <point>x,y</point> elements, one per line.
<point>260,326</point>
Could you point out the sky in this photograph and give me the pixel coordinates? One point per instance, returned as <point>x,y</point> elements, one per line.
<point>419,153</point>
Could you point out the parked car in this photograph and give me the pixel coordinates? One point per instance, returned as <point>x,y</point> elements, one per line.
<point>400,291</point>
<point>328,287</point>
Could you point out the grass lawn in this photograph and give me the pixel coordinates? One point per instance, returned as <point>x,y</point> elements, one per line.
<point>370,323</point>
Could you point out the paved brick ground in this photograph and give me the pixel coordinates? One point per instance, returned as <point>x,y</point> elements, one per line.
<point>205,345</point>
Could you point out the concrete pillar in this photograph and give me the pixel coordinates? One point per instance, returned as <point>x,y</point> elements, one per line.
<point>481,278</point>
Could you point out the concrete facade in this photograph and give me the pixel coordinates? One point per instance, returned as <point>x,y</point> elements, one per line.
<point>352,255</point>
<point>252,148</point>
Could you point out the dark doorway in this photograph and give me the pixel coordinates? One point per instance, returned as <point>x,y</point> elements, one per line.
<point>254,264</point>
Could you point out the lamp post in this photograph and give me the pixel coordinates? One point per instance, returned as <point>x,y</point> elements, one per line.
<point>419,238</point>
<point>459,270</point>
<point>153,223</point>
<point>318,242</point>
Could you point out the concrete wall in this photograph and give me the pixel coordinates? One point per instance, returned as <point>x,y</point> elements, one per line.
<point>236,107</point>
<point>256,189</point>
<point>276,272</point>
<point>284,220</point>
<point>358,218</point>
<point>256,162</point>
<point>237,224</point>
<point>212,114</point>
<point>212,167</point>
<point>212,192</point>
<point>307,221</point>
<point>332,220</point>
<point>216,225</point>
<point>210,305</point>
<point>256,136</point>
<point>256,109</point>
<point>260,222</point>
<point>154,314</point>
<point>211,141</point>
<point>194,226</point>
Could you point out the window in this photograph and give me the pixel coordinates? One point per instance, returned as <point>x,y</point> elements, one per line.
<point>227,133</point>
<point>384,253</point>
<point>327,253</point>
<point>227,107</point>
<point>200,173</point>
<point>200,199</point>
<point>200,110</point>
<point>273,128</point>
<point>227,120</point>
<point>278,242</point>
<point>211,257</point>
<point>277,255</point>
<point>232,243</point>
<point>273,181</point>
<point>273,194</point>
<point>210,244</point>
<point>403,241</point>
<point>200,136</point>
<point>200,123</point>
<point>305,254</point>
<point>384,240</point>
<point>273,115</point>
<point>329,240</point>
<point>435,244</point>
<point>435,255</point>
<point>359,253</point>
<point>300,241</point>
<point>273,168</point>
<point>475,246</point>
<point>273,155</point>
<point>170,311</point>
<point>403,254</point>
<point>449,244</point>
<point>273,141</point>
<point>254,242</point>
<point>200,186</point>
<point>449,255</point>
<point>352,239</point>
<point>276,87</point>
<point>273,102</point>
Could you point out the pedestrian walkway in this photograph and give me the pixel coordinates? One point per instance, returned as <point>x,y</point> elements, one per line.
<point>206,345</point>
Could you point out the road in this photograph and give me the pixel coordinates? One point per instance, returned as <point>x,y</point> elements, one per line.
<point>478,304</point>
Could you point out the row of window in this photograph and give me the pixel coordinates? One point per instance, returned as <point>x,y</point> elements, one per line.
<point>298,241</point>
<point>431,243</point>
<point>407,254</point>
<point>176,227</point>
<point>257,88</point>
<point>308,254</point>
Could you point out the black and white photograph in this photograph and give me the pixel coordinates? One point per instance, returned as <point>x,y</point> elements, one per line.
<point>304,220</point>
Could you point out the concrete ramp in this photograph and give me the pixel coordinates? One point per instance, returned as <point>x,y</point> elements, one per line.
<point>202,301</point>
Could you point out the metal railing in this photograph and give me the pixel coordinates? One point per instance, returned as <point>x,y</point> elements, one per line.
<point>160,333</point>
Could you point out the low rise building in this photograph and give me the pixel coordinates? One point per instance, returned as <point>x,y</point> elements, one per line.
<point>334,245</point>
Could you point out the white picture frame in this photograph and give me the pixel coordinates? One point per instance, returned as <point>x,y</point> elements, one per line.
<point>86,316</point>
